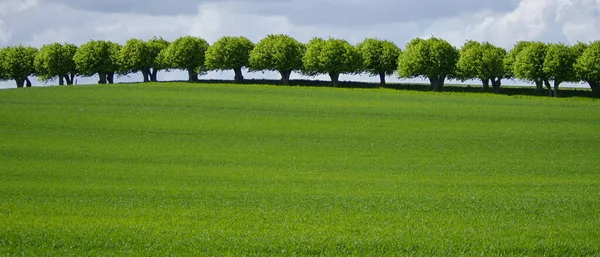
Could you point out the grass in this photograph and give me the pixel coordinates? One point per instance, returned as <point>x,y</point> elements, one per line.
<point>251,170</point>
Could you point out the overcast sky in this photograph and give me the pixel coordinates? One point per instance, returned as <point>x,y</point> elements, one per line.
<point>502,22</point>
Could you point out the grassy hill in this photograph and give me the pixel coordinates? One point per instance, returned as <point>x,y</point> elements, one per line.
<point>198,169</point>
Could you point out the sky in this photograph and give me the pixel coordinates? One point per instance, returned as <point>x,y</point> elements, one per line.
<point>501,22</point>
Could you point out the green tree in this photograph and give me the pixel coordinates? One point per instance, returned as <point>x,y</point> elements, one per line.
<point>17,63</point>
<point>511,58</point>
<point>432,58</point>
<point>99,57</point>
<point>156,46</point>
<point>56,61</point>
<point>380,57</point>
<point>333,57</point>
<point>143,56</point>
<point>135,56</point>
<point>230,53</point>
<point>529,65</point>
<point>186,53</point>
<point>558,64</point>
<point>280,53</point>
<point>482,61</point>
<point>587,67</point>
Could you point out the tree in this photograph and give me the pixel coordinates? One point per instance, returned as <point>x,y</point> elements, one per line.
<point>156,46</point>
<point>280,53</point>
<point>432,58</point>
<point>140,56</point>
<point>380,57</point>
<point>482,61</point>
<point>230,53</point>
<point>558,64</point>
<point>56,61</point>
<point>587,67</point>
<point>135,56</point>
<point>17,63</point>
<point>333,57</point>
<point>186,53</point>
<point>99,57</point>
<point>529,65</point>
<point>511,58</point>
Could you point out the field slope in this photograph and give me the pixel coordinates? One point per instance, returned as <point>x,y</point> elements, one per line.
<point>180,169</point>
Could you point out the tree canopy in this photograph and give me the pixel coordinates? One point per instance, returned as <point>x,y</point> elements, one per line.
<point>587,67</point>
<point>230,53</point>
<point>432,58</point>
<point>529,64</point>
<point>56,61</point>
<point>332,57</point>
<point>99,57</point>
<point>186,53</point>
<point>558,64</point>
<point>280,53</point>
<point>380,57</point>
<point>482,61</point>
<point>17,63</point>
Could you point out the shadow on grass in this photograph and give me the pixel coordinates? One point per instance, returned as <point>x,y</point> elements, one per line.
<point>423,87</point>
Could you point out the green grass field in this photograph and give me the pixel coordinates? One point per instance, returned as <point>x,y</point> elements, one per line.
<point>213,170</point>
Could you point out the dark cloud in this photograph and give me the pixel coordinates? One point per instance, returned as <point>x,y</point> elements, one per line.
<point>373,12</point>
<point>307,12</point>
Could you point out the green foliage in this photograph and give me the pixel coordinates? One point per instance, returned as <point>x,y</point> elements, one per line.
<point>172,169</point>
<point>587,67</point>
<point>55,61</point>
<point>579,48</point>
<point>156,46</point>
<point>136,56</point>
<point>229,53</point>
<point>529,64</point>
<point>433,58</point>
<point>333,57</point>
<point>98,56</point>
<point>511,58</point>
<point>277,53</point>
<point>558,64</point>
<point>17,63</point>
<point>379,56</point>
<point>482,61</point>
<point>186,53</point>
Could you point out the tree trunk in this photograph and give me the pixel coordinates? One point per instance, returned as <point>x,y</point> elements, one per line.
<point>595,86</point>
<point>547,83</point>
<point>192,75</point>
<point>154,75</point>
<point>437,84</point>
<point>102,78</point>
<point>335,77</point>
<point>20,82</point>
<point>146,75</point>
<point>556,83</point>
<point>110,77</point>
<point>496,83</point>
<point>239,78</point>
<point>28,84</point>
<point>70,79</point>
<point>486,84</point>
<point>61,80</point>
<point>539,85</point>
<point>382,79</point>
<point>285,77</point>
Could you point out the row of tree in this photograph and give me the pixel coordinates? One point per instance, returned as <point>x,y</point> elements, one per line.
<point>544,64</point>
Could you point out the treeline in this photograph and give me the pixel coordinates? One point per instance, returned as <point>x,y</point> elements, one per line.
<point>546,65</point>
